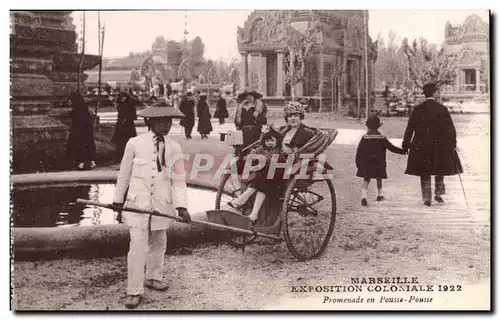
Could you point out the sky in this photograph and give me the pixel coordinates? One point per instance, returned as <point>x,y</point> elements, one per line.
<point>135,31</point>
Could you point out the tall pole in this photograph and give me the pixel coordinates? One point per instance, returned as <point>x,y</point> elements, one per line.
<point>367,98</point>
<point>100,44</point>
<point>321,72</point>
<point>80,64</point>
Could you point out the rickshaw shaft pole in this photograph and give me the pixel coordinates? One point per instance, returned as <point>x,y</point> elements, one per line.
<point>178,219</point>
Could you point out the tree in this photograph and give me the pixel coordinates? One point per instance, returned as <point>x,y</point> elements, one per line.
<point>197,49</point>
<point>391,62</point>
<point>337,72</point>
<point>427,65</point>
<point>211,72</point>
<point>299,46</point>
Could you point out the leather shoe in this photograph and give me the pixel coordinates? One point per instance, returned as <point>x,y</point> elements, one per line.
<point>156,285</point>
<point>364,202</point>
<point>132,301</point>
<point>439,199</point>
<point>427,203</point>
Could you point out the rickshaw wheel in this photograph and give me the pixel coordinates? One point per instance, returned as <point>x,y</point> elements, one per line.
<point>309,212</point>
<point>229,189</point>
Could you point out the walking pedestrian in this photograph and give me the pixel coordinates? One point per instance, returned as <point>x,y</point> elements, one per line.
<point>431,139</point>
<point>81,147</point>
<point>204,123</point>
<point>221,109</point>
<point>187,108</point>
<point>125,127</point>
<point>371,157</point>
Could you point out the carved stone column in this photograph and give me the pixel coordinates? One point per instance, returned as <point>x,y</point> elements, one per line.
<point>462,78</point>
<point>299,86</point>
<point>253,71</point>
<point>478,80</point>
<point>280,88</point>
<point>244,70</point>
<point>262,75</point>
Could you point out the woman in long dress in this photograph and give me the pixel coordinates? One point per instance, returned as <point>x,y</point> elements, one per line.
<point>81,146</point>
<point>221,110</point>
<point>204,123</point>
<point>125,127</point>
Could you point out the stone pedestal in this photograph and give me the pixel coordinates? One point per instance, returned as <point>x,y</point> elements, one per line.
<point>44,72</point>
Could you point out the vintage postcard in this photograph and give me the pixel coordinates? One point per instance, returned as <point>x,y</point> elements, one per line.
<point>250,160</point>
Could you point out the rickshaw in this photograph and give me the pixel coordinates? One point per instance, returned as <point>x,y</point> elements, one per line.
<point>304,212</point>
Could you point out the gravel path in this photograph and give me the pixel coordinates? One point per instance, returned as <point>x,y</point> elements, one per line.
<point>447,243</point>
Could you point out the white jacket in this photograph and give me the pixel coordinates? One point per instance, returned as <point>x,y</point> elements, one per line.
<point>147,188</point>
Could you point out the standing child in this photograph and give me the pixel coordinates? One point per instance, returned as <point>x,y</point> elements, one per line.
<point>370,157</point>
<point>146,172</point>
<point>270,146</point>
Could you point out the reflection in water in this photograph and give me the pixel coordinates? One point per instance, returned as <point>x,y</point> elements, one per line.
<point>55,207</point>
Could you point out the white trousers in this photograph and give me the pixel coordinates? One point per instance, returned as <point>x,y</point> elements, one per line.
<point>147,251</point>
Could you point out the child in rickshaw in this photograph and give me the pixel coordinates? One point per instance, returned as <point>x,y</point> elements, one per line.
<point>270,145</point>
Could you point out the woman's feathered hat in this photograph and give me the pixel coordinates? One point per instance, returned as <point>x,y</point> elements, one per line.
<point>161,109</point>
<point>294,107</point>
<point>242,94</point>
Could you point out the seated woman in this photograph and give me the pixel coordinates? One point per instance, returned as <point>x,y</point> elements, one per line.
<point>270,145</point>
<point>295,133</point>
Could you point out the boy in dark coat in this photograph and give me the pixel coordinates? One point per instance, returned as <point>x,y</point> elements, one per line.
<point>370,157</point>
<point>431,139</point>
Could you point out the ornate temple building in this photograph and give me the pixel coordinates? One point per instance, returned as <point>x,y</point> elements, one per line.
<point>469,43</point>
<point>167,60</point>
<point>262,43</point>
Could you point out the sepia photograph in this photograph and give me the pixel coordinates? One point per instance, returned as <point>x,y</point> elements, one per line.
<point>250,160</point>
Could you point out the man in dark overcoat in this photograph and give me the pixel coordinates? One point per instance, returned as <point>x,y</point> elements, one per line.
<point>187,108</point>
<point>431,139</point>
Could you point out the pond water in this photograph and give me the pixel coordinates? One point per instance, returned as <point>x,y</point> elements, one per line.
<point>54,206</point>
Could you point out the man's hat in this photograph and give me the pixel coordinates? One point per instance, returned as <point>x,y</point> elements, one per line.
<point>161,109</point>
<point>373,122</point>
<point>430,87</point>
<point>242,95</point>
